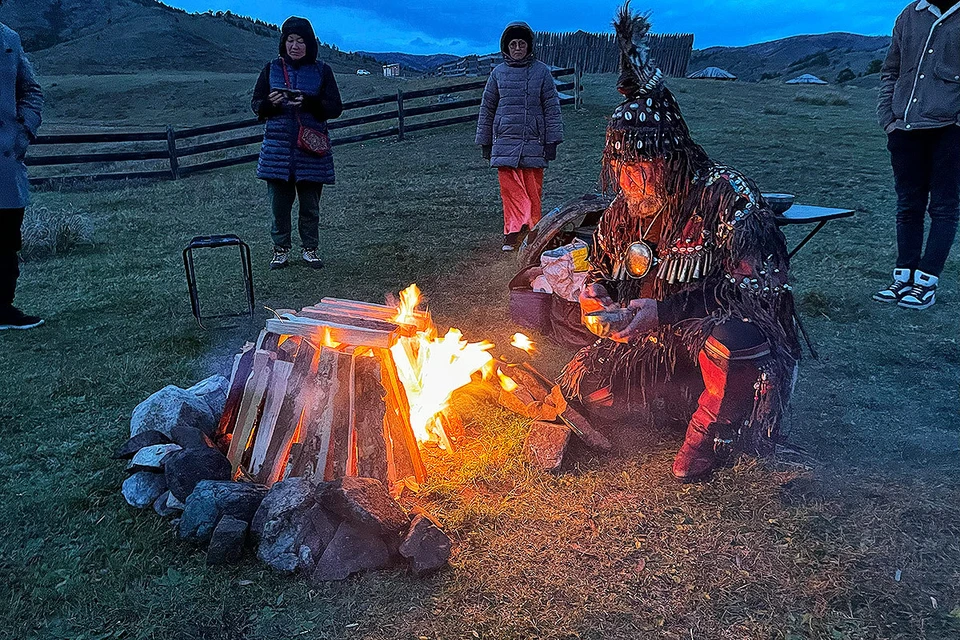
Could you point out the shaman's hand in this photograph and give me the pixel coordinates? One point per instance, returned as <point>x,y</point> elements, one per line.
<point>645,319</point>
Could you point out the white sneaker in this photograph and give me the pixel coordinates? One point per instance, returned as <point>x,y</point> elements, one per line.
<point>312,259</point>
<point>279,260</point>
<point>922,294</point>
<point>898,288</point>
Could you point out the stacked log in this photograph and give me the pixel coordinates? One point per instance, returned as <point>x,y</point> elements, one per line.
<point>318,396</point>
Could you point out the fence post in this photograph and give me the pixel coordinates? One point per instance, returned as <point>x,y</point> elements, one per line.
<point>400,115</point>
<point>172,148</point>
<point>576,86</point>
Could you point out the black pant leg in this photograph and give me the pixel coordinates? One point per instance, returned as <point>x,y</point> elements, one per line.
<point>11,240</point>
<point>912,162</point>
<point>944,199</point>
<point>282,196</point>
<point>309,220</point>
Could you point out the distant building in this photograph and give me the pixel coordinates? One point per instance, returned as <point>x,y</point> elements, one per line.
<point>712,73</point>
<point>807,79</point>
<point>391,70</point>
<point>472,65</point>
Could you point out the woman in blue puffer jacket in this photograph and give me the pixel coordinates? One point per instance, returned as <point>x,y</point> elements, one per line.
<point>519,129</point>
<point>295,90</point>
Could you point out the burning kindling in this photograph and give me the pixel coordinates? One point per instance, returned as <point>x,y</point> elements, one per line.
<point>338,390</point>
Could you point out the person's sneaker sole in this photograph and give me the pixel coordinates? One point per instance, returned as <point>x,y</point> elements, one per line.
<point>21,327</point>
<point>917,307</point>
<point>282,265</point>
<point>879,298</point>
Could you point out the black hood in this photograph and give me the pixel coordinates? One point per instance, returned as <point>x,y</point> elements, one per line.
<point>514,31</point>
<point>303,28</point>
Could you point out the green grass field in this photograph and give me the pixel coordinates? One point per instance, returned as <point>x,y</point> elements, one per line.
<point>613,547</point>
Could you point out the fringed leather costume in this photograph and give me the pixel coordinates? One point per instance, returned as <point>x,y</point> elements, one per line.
<point>698,238</point>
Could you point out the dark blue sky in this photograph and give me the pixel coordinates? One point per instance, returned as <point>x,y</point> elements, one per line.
<point>459,27</point>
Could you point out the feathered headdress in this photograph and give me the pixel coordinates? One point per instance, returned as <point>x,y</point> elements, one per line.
<point>639,74</point>
<point>648,124</point>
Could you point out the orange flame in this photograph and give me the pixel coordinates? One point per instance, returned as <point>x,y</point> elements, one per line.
<point>509,384</point>
<point>432,368</point>
<point>409,301</point>
<point>328,340</point>
<point>523,343</point>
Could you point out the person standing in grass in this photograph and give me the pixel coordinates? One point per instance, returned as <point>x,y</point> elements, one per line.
<point>295,95</point>
<point>920,112</point>
<point>519,129</point>
<point>21,102</point>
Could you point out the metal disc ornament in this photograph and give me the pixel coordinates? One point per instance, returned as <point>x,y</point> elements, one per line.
<point>639,259</point>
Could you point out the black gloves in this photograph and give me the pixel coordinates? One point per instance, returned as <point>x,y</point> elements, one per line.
<point>550,151</point>
<point>486,150</point>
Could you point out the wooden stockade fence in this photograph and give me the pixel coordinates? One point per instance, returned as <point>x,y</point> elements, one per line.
<point>598,52</point>
<point>174,145</point>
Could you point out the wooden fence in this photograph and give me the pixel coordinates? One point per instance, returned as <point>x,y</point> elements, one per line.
<point>406,109</point>
<point>599,53</point>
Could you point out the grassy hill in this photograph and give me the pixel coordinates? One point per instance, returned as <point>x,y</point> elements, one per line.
<point>418,63</point>
<point>117,36</point>
<point>822,55</point>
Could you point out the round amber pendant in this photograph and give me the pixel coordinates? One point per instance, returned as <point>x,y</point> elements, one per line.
<point>639,259</point>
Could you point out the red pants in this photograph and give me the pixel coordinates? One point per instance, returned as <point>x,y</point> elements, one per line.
<point>521,190</point>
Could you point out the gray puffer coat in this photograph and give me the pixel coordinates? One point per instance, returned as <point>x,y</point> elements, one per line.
<point>20,104</point>
<point>520,111</point>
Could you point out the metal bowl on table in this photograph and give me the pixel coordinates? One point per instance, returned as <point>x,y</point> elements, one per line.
<point>779,202</point>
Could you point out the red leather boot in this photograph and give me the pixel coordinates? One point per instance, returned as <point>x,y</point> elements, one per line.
<point>730,380</point>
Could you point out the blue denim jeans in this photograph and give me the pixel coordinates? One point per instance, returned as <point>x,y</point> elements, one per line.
<point>282,196</point>
<point>926,169</point>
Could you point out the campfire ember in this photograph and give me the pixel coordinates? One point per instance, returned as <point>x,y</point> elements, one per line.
<point>522,342</point>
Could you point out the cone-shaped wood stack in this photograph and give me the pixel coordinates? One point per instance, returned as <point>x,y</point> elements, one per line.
<point>319,395</point>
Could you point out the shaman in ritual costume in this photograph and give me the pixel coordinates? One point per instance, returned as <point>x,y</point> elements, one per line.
<point>689,277</point>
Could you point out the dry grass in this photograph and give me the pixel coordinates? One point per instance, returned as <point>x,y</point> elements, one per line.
<point>823,98</point>
<point>49,232</point>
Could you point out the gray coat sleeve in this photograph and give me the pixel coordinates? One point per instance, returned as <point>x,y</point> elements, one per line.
<point>552,118</point>
<point>29,97</point>
<point>889,74</point>
<point>488,111</point>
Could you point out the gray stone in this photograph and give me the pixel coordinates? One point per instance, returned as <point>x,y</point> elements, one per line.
<point>212,500</point>
<point>352,549</point>
<point>425,546</point>
<point>213,391</point>
<point>162,506</point>
<point>142,488</point>
<point>151,458</point>
<point>288,520</point>
<point>185,468</point>
<point>318,533</point>
<point>139,441</point>
<point>169,407</point>
<point>285,497</point>
<point>226,543</point>
<point>365,502</point>
<point>190,437</point>
<point>173,503</point>
<point>546,444</point>
<point>278,524</point>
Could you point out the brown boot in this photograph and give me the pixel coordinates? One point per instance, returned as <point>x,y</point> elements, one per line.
<point>725,405</point>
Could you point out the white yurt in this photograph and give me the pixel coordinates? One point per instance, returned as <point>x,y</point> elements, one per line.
<point>807,79</point>
<point>712,73</point>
